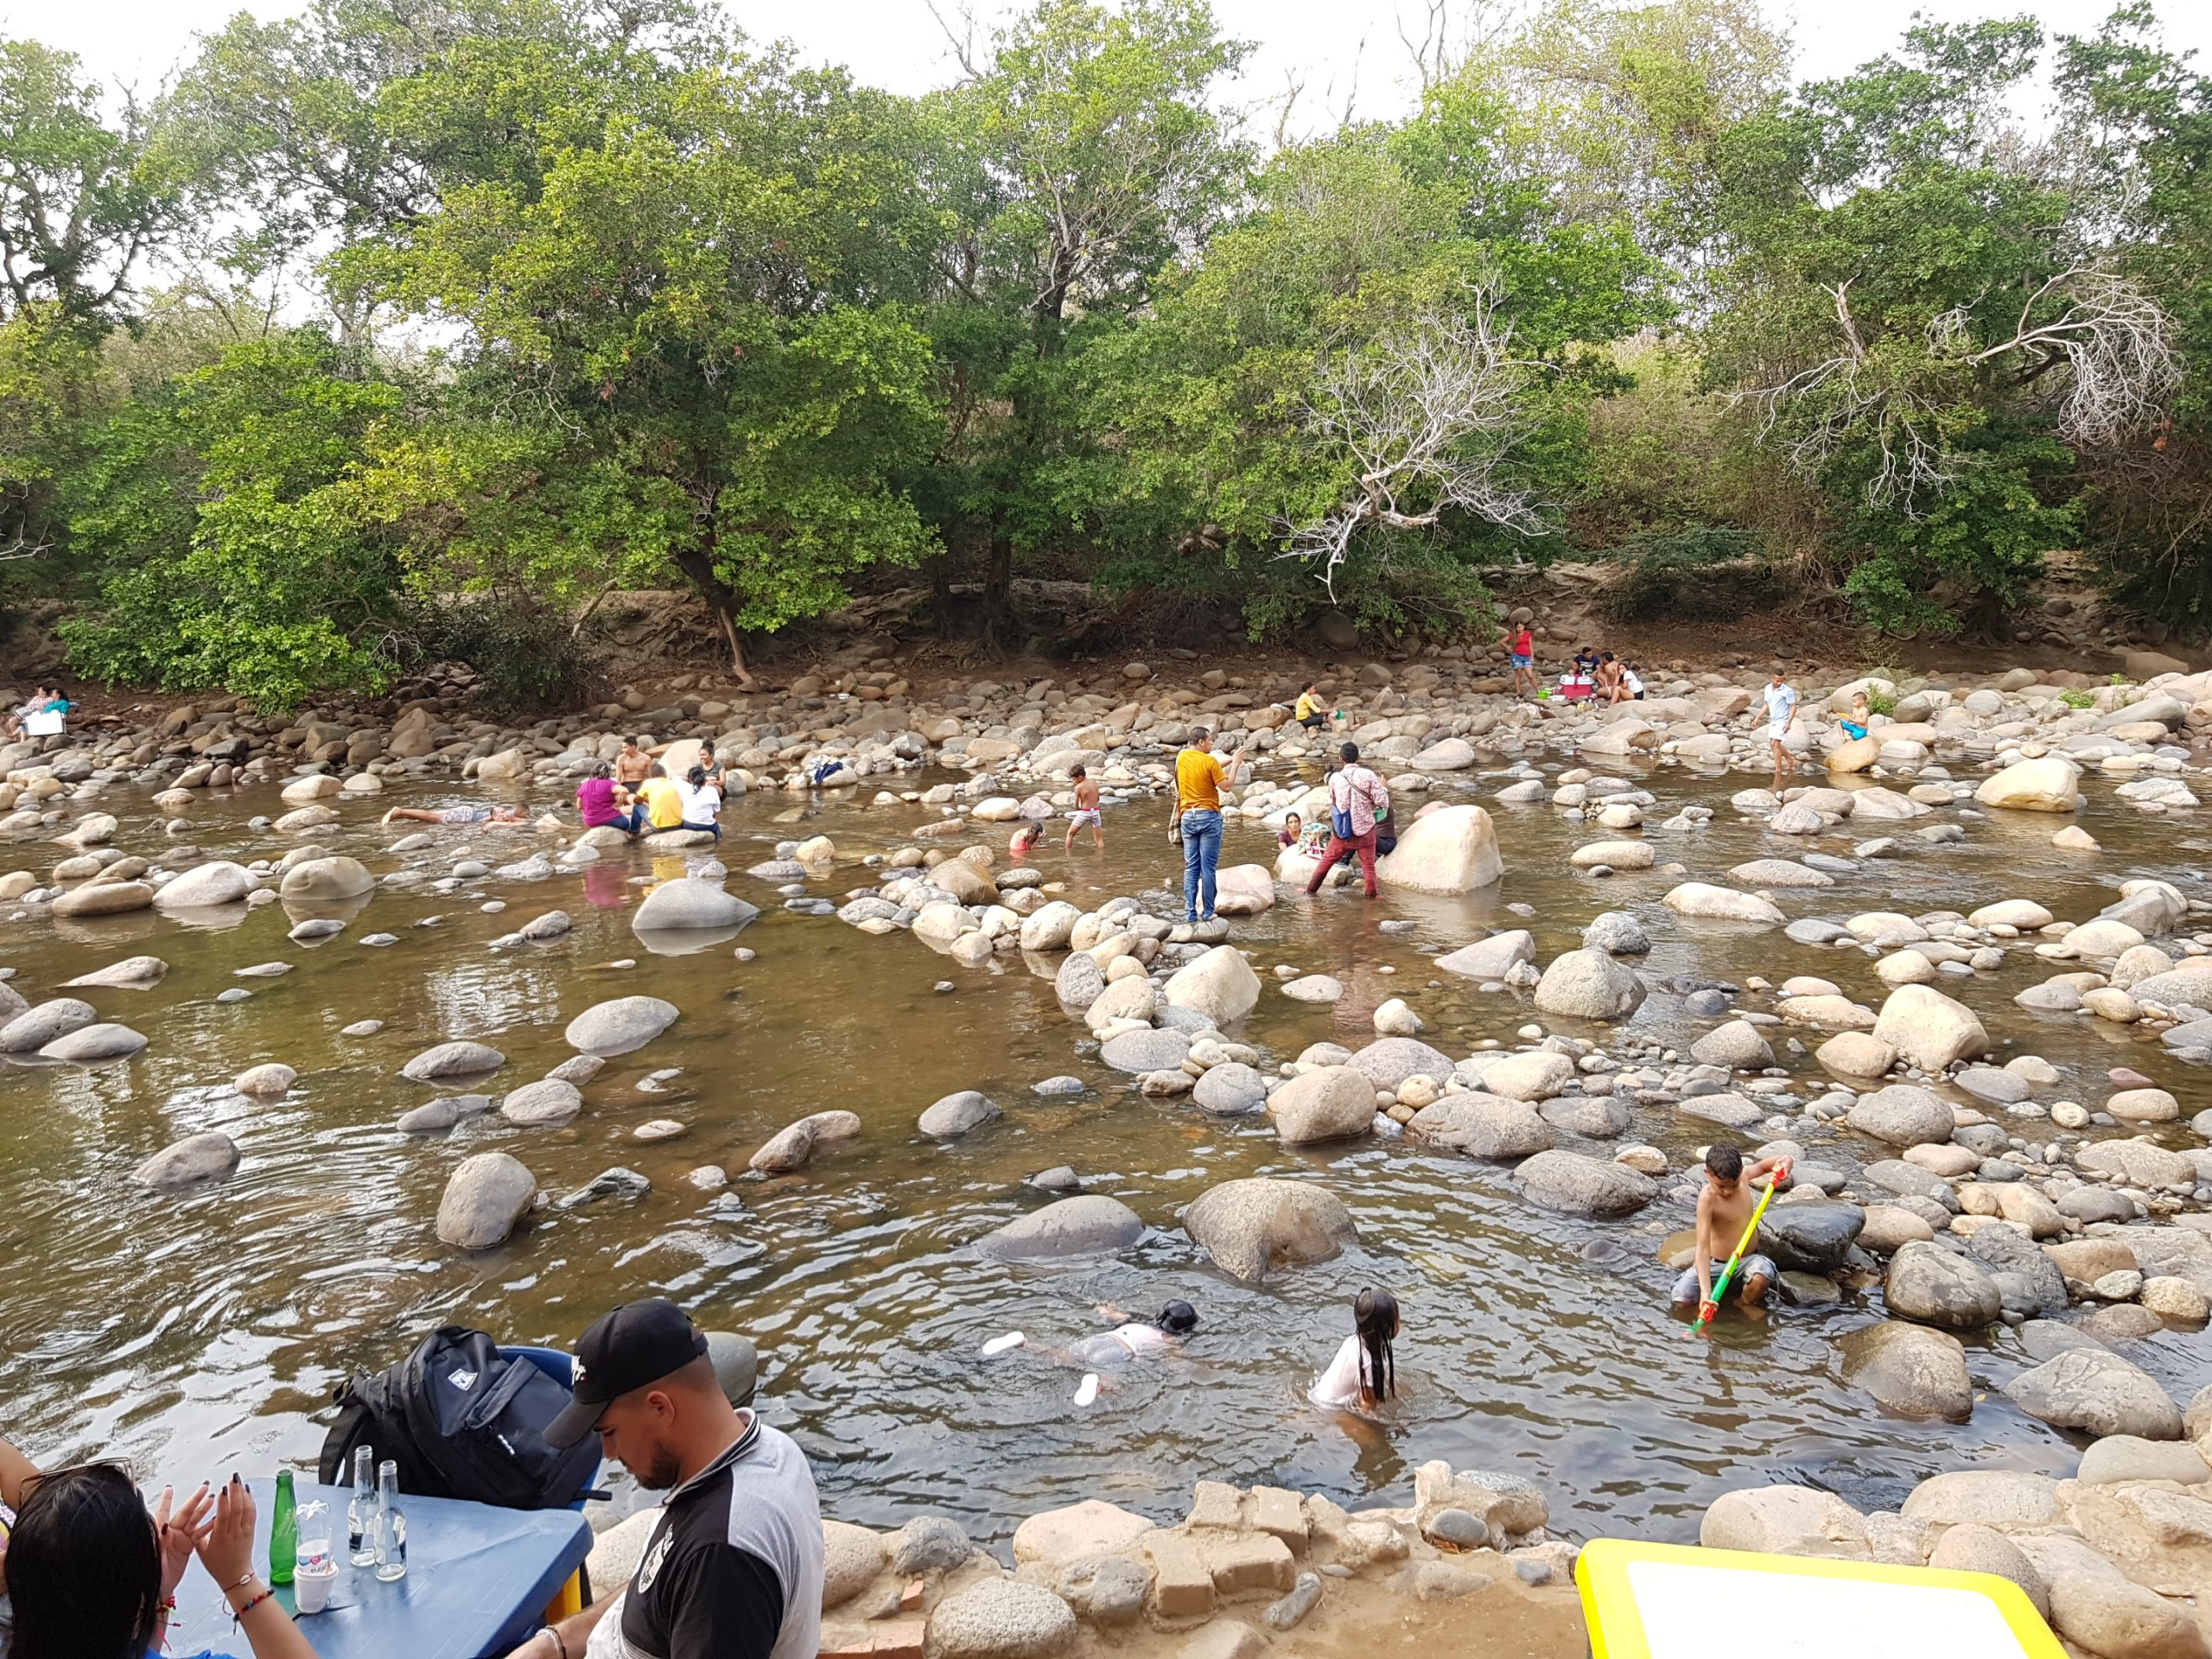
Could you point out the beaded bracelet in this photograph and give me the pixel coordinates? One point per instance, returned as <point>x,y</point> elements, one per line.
<point>253,1603</point>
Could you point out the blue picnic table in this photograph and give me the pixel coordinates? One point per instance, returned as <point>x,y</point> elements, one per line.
<point>479,1580</point>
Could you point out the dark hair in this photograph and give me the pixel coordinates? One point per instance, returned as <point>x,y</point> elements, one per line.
<point>600,769</point>
<point>84,1567</point>
<point>1288,817</point>
<point>1374,1316</point>
<point>1201,734</point>
<point>1725,1161</point>
<point>1075,772</point>
<point>696,777</point>
<point>635,742</point>
<point>705,747</point>
<point>1604,656</point>
<point>1350,752</point>
<point>1177,1317</point>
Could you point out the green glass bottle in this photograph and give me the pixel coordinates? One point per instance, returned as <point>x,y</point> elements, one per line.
<point>283,1532</point>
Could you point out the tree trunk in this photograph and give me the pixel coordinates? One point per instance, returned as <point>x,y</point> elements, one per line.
<point>998,588</point>
<point>698,564</point>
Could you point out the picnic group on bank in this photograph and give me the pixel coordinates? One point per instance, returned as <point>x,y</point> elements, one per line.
<point>1971,1223</point>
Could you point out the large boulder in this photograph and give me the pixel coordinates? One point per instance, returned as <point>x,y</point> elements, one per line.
<point>1249,1228</point>
<point>1244,890</point>
<point>620,1026</point>
<point>104,899</point>
<point>1450,850</point>
<point>1737,1046</point>
<point>1483,1126</point>
<point>1091,1528</point>
<point>204,1157</point>
<point>91,1044</point>
<point>1709,903</point>
<point>1912,1371</point>
<point>483,1199</point>
<point>795,1144</point>
<point>1087,1224</point>
<point>1585,1186</point>
<point>687,902</point>
<point>966,882</point>
<point>1220,985</point>
<point>1050,925</point>
<point>1928,1283</point>
<point>1493,958</point>
<point>452,1060</point>
<point>1588,984</point>
<point>1785,1521</point>
<point>2096,1391</point>
<point>205,887</point>
<point>45,1022</point>
<point>956,1114</point>
<point>2051,784</point>
<point>1001,1619</point>
<point>2117,1620</point>
<point>1389,1061</point>
<point>1811,1237</point>
<point>1537,1075</point>
<point>1855,753</point>
<point>325,881</point>
<point>1904,1115</point>
<point>1330,1102</point>
<point>1931,1030</point>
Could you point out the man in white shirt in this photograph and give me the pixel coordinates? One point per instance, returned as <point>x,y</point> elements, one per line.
<point>1358,797</point>
<point>1781,709</point>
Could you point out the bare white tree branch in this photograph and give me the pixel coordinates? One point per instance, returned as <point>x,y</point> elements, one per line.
<point>1428,416</point>
<point>2094,344</point>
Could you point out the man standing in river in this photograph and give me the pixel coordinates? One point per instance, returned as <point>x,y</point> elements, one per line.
<point>1780,708</point>
<point>1199,779</point>
<point>1724,1203</point>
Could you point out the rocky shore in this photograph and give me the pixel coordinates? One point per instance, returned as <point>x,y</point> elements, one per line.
<point>1953,1189</point>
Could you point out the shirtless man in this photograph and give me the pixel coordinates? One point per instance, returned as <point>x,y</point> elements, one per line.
<point>1086,811</point>
<point>1723,1207</point>
<point>633,765</point>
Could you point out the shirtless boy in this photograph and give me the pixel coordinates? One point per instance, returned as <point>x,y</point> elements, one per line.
<point>1723,1206</point>
<point>1086,810</point>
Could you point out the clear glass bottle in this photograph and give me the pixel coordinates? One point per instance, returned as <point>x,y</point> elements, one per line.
<point>392,1525</point>
<point>361,1513</point>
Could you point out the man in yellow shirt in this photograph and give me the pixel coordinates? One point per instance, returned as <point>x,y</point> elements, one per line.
<point>664,801</point>
<point>1199,779</point>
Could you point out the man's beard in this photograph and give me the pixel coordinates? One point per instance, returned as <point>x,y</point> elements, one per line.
<point>663,1473</point>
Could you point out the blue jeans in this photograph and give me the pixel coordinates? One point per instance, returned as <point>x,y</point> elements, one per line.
<point>1201,857</point>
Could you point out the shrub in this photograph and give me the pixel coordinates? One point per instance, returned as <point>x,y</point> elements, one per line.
<point>2078,699</point>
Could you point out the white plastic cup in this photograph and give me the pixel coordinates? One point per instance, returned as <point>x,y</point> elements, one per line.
<point>311,1587</point>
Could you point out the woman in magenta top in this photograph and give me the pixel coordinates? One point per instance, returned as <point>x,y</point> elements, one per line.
<point>599,799</point>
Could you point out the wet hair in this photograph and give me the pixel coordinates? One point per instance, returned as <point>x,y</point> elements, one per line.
<point>1350,752</point>
<point>1177,1317</point>
<point>696,777</point>
<point>1374,1316</point>
<point>1075,772</point>
<point>1726,1162</point>
<point>1032,830</point>
<point>84,1567</point>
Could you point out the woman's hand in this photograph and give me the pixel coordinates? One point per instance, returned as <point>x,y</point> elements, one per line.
<point>225,1540</point>
<point>176,1532</point>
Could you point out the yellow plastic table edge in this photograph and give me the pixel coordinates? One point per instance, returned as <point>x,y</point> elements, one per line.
<point>1601,1574</point>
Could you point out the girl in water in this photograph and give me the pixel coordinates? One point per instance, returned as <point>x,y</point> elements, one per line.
<point>1364,1372</point>
<point>1130,1339</point>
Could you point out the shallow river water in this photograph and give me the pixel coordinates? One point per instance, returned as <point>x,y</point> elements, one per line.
<point>195,1333</point>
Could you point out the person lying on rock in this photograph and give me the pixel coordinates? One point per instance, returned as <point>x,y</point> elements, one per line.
<point>457,815</point>
<point>1724,1209</point>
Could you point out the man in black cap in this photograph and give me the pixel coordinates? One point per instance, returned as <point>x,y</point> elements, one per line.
<point>733,1570</point>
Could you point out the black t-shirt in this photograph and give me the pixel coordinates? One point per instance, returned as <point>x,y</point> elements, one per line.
<point>737,1545</point>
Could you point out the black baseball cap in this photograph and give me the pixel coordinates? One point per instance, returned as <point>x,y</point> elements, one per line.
<point>635,1345</point>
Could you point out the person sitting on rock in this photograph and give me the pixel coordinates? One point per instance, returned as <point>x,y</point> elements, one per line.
<point>1855,727</point>
<point>633,765</point>
<point>1724,1209</point>
<point>605,804</point>
<point>1309,711</point>
<point>456,815</point>
<point>717,780</point>
<point>1364,1373</point>
<point>702,801</point>
<point>663,800</point>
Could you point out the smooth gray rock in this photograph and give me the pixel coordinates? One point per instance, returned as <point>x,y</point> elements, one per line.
<point>205,1157</point>
<point>43,1023</point>
<point>1928,1283</point>
<point>958,1115</point>
<point>1089,1224</point>
<point>1250,1227</point>
<point>94,1044</point>
<point>452,1060</point>
<point>549,1100</point>
<point>1147,1049</point>
<point>2099,1393</point>
<point>1912,1369</point>
<point>1389,1061</point>
<point>484,1198</point>
<point>1230,1089</point>
<point>620,1026</point>
<point>687,904</point>
<point>1814,1237</point>
<point>1584,1186</point>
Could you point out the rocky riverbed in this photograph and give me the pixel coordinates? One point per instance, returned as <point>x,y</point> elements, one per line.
<point>852,1082</point>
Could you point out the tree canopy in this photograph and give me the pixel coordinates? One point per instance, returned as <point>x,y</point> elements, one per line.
<point>381,305</point>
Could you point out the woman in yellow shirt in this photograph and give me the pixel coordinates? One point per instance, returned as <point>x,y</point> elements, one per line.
<point>1309,713</point>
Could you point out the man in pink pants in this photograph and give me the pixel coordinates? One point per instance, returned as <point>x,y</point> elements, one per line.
<point>1359,794</point>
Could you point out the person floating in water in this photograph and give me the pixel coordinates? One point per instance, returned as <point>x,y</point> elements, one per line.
<point>457,815</point>
<point>1724,1208</point>
<point>1130,1339</point>
<point>1364,1373</point>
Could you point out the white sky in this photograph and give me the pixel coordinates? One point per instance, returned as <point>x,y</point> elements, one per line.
<point>897,43</point>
